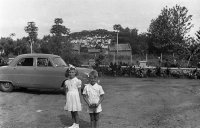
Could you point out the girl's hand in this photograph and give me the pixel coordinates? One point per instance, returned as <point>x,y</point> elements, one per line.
<point>92,105</point>
<point>97,105</point>
<point>89,105</point>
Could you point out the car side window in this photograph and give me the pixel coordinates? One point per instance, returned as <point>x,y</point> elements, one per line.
<point>25,62</point>
<point>43,62</point>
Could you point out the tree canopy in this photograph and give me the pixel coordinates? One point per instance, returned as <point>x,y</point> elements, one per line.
<point>171,26</point>
<point>58,29</point>
<point>31,29</point>
<point>60,34</point>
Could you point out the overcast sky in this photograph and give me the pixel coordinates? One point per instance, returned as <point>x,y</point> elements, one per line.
<point>81,15</point>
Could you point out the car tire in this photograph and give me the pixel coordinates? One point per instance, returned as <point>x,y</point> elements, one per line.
<point>6,86</point>
<point>23,88</point>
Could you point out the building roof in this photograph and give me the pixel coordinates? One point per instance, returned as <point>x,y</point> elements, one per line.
<point>121,47</point>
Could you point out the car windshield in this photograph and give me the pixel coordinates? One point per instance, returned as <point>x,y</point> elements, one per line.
<point>59,62</point>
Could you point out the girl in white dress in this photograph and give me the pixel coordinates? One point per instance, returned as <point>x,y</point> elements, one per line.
<point>93,95</point>
<point>73,104</point>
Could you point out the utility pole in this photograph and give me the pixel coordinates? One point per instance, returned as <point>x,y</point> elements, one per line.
<point>117,45</point>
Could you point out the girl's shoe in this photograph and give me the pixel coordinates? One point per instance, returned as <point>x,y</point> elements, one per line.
<point>73,126</point>
<point>76,126</point>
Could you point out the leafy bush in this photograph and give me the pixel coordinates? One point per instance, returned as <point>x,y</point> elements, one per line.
<point>139,72</point>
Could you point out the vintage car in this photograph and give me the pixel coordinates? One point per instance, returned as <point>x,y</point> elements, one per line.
<point>43,71</point>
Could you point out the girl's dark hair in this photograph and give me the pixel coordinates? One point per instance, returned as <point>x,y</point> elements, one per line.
<point>69,69</point>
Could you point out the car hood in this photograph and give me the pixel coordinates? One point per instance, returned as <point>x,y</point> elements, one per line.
<point>86,71</point>
<point>2,69</point>
<point>83,74</point>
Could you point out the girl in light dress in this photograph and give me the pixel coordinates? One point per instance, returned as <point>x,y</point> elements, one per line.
<point>73,104</point>
<point>93,95</point>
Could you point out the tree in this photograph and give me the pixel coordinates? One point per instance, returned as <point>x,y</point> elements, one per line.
<point>125,34</point>
<point>117,27</point>
<point>68,55</point>
<point>142,44</point>
<point>171,26</point>
<point>198,35</point>
<point>7,46</point>
<point>193,51</point>
<point>20,46</point>
<point>58,31</point>
<point>138,42</point>
<point>31,29</point>
<point>134,41</point>
<point>12,35</point>
<point>189,51</point>
<point>45,44</point>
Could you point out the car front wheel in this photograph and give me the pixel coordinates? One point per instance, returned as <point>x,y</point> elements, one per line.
<point>6,86</point>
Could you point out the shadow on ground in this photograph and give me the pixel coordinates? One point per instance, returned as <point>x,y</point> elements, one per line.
<point>66,121</point>
<point>40,91</point>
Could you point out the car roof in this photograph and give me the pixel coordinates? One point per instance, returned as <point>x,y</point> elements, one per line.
<point>37,55</point>
<point>32,55</point>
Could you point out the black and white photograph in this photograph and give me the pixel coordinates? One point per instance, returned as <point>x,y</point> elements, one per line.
<point>99,64</point>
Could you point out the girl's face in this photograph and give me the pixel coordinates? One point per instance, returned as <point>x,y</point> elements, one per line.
<point>72,73</point>
<point>93,80</point>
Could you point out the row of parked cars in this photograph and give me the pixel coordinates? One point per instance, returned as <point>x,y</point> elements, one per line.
<point>42,71</point>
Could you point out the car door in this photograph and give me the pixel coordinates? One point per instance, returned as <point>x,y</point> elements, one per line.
<point>23,72</point>
<point>46,75</point>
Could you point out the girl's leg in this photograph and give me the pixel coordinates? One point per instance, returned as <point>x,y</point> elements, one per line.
<point>73,116</point>
<point>73,119</point>
<point>92,121</point>
<point>96,120</point>
<point>76,117</point>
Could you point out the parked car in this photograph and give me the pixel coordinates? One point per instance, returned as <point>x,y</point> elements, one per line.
<point>10,60</point>
<point>43,71</point>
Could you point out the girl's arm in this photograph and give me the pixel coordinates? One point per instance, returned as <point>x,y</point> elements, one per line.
<point>66,90</point>
<point>86,99</point>
<point>82,88</point>
<point>101,99</point>
<point>65,87</point>
<point>79,91</point>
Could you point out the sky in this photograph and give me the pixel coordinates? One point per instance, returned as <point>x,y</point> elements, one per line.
<point>81,15</point>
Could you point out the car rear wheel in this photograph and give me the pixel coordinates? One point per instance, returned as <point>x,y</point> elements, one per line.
<point>23,88</point>
<point>6,86</point>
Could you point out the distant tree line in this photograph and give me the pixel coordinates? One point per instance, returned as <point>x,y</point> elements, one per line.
<point>167,33</point>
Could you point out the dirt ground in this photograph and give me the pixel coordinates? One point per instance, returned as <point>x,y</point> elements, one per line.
<point>128,103</point>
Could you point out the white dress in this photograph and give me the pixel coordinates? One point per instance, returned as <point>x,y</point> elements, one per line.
<point>73,102</point>
<point>93,92</point>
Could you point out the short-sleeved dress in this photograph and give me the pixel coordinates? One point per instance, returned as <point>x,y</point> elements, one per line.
<point>93,92</point>
<point>73,102</point>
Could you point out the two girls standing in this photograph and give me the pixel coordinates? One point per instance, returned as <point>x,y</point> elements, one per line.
<point>92,94</point>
